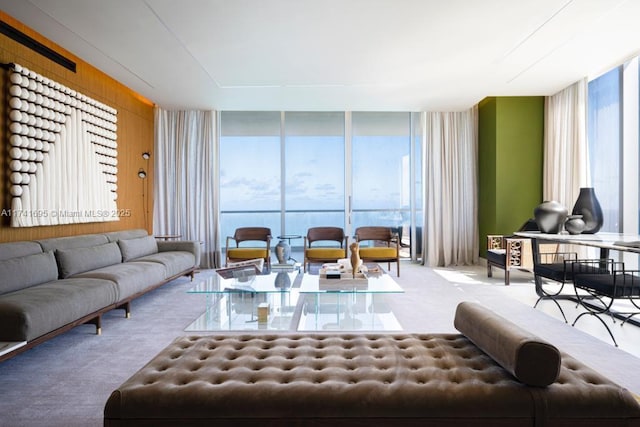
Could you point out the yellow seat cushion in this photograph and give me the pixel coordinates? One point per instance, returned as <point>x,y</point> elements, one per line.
<point>247,253</point>
<point>325,253</point>
<point>378,252</point>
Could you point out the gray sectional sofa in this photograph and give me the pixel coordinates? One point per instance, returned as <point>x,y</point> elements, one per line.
<point>52,285</point>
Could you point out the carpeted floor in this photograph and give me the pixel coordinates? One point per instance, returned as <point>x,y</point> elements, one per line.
<point>66,381</point>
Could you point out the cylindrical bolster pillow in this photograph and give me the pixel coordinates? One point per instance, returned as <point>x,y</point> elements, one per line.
<point>531,360</point>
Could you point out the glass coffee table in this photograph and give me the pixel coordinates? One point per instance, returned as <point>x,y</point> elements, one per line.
<point>263,301</point>
<point>356,307</point>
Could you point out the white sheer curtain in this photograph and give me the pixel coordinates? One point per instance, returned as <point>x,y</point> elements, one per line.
<point>185,195</point>
<point>451,188</point>
<point>565,145</point>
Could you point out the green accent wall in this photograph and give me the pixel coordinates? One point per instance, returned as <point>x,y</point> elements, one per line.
<point>510,157</point>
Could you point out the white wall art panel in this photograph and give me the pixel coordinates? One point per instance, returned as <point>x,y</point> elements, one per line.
<point>63,154</point>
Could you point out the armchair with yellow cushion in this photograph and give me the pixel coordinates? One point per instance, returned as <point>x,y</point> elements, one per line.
<point>253,235</point>
<point>383,245</point>
<point>320,254</point>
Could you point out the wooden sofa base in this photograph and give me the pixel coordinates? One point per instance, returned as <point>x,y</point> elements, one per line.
<point>94,318</point>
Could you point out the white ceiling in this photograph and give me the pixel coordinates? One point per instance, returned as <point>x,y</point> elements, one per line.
<point>359,55</point>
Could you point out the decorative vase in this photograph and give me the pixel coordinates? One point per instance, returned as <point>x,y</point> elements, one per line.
<point>574,224</point>
<point>283,251</point>
<point>550,216</point>
<point>589,207</point>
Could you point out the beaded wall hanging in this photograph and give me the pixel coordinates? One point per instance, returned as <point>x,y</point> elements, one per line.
<point>62,153</point>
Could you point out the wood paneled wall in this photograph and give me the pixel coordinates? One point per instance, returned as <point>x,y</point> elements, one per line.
<point>135,136</point>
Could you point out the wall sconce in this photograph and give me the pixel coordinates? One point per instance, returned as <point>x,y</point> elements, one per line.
<point>142,174</point>
<point>146,155</point>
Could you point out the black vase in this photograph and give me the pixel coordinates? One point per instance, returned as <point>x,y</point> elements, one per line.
<point>589,207</point>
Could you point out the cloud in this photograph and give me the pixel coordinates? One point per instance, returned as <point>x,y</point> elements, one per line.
<point>325,188</point>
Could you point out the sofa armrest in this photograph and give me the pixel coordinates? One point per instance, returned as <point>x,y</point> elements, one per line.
<point>530,359</point>
<point>192,246</point>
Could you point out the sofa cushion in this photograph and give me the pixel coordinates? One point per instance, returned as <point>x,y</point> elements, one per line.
<point>79,260</point>
<point>35,311</point>
<point>131,278</point>
<point>138,247</point>
<point>114,236</point>
<point>528,358</point>
<point>16,249</point>
<point>71,242</point>
<point>325,253</point>
<point>26,271</point>
<point>247,253</point>
<point>497,256</point>
<point>175,263</point>
<point>381,252</point>
<point>192,246</point>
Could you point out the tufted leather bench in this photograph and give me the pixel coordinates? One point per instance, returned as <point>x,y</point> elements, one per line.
<point>363,379</point>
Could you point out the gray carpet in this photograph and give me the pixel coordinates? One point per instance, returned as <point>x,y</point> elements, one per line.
<point>66,381</point>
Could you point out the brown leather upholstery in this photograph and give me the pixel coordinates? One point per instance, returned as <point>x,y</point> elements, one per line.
<point>357,379</point>
<point>528,358</point>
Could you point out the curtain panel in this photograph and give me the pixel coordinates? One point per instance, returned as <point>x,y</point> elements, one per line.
<point>566,159</point>
<point>451,188</point>
<point>185,196</point>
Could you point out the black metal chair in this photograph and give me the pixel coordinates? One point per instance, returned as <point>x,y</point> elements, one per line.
<point>602,283</point>
<point>556,266</point>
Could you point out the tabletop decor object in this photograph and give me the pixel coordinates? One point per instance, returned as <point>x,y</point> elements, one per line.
<point>550,216</point>
<point>355,258</point>
<point>574,224</point>
<point>283,251</point>
<point>589,207</point>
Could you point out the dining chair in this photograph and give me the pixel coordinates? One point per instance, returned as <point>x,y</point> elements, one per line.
<point>381,245</point>
<point>246,252</point>
<point>324,244</point>
<point>599,283</point>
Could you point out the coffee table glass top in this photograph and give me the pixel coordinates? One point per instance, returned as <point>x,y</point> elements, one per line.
<point>264,301</point>
<point>377,284</point>
<point>261,283</point>
<point>336,304</point>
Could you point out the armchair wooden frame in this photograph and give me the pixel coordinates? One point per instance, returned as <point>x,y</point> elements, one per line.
<point>507,253</point>
<point>383,235</point>
<point>324,254</point>
<point>249,234</point>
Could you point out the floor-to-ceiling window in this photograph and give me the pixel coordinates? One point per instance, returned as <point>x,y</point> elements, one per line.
<point>381,166</point>
<point>417,214</point>
<point>604,136</point>
<point>250,172</point>
<point>294,170</point>
<point>314,171</point>
<point>614,152</point>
